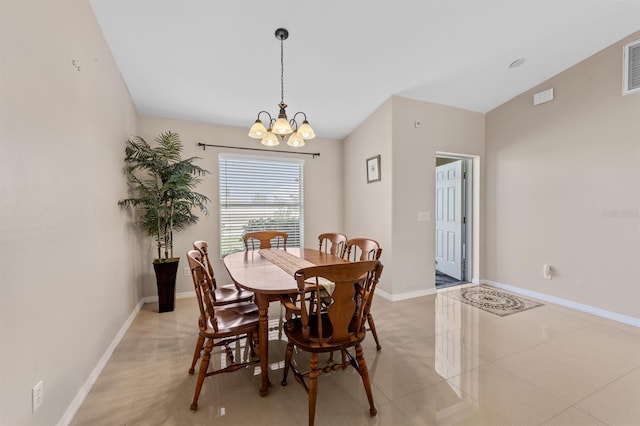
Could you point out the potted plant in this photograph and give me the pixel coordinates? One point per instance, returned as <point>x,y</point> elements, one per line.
<point>162,187</point>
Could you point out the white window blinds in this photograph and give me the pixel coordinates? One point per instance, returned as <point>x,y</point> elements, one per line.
<point>258,194</point>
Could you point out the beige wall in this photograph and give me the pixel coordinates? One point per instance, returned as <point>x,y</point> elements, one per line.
<point>563,188</point>
<point>68,257</point>
<point>442,129</point>
<point>388,210</point>
<point>367,206</point>
<point>322,186</point>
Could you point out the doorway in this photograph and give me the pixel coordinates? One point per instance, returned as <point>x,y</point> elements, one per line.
<point>453,220</point>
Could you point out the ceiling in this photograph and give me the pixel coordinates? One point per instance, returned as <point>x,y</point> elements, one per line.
<point>218,61</point>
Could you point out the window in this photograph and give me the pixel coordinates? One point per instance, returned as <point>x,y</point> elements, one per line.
<point>631,68</point>
<point>258,194</point>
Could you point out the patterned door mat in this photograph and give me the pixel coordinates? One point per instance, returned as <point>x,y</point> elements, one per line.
<point>491,300</point>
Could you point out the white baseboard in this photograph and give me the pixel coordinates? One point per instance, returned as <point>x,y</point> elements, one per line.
<point>625,319</point>
<point>184,295</point>
<point>91,380</point>
<point>405,296</point>
<point>412,294</point>
<point>568,303</point>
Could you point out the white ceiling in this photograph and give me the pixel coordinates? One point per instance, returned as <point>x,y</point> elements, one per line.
<point>219,61</point>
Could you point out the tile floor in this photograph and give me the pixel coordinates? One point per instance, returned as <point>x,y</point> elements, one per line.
<point>442,363</point>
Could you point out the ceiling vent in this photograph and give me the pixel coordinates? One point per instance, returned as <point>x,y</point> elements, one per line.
<point>631,68</point>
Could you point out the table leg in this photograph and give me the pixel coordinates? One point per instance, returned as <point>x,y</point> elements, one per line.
<point>263,340</point>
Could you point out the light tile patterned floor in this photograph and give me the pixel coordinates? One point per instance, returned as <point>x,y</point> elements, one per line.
<point>442,363</point>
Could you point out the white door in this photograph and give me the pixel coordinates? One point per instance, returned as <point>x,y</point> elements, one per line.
<point>449,219</point>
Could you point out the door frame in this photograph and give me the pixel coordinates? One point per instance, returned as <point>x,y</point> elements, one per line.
<point>467,240</point>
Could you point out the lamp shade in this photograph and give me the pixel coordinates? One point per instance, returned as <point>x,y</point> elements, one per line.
<point>270,139</point>
<point>282,126</point>
<point>295,140</point>
<point>257,131</point>
<point>305,131</point>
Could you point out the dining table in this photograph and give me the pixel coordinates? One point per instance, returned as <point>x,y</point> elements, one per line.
<point>268,273</point>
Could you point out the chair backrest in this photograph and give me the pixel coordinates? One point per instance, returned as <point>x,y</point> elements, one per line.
<point>203,248</point>
<point>203,285</point>
<point>332,243</point>
<point>264,238</point>
<point>362,249</point>
<point>350,300</point>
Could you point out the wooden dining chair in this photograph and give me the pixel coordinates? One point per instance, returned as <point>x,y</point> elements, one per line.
<point>219,325</point>
<point>338,328</point>
<point>225,294</point>
<point>332,243</point>
<point>357,249</point>
<point>362,249</point>
<point>220,295</point>
<point>263,239</point>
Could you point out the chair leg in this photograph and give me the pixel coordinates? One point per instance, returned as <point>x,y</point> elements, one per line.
<point>204,365</point>
<point>251,342</point>
<point>281,321</point>
<point>286,315</point>
<point>364,374</point>
<point>313,387</point>
<point>196,353</point>
<point>287,363</point>
<point>372,326</point>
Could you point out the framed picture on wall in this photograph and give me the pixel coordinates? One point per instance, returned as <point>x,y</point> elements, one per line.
<point>373,169</point>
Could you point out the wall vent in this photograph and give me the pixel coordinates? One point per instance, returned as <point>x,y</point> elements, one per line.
<point>631,68</point>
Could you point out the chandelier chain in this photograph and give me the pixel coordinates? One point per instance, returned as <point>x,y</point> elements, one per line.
<point>281,70</point>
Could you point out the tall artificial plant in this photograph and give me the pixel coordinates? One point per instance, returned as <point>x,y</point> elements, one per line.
<point>162,189</point>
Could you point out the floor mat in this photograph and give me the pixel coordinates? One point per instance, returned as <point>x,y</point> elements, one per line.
<point>491,300</point>
<point>444,280</point>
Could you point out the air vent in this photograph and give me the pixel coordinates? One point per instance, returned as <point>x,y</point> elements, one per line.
<point>631,68</point>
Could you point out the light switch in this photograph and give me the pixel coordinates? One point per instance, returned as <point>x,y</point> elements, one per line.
<point>424,216</point>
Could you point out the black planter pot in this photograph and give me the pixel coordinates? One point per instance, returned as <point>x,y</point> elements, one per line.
<point>166,281</point>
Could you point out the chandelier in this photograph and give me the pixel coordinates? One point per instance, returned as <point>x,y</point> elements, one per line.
<point>282,128</point>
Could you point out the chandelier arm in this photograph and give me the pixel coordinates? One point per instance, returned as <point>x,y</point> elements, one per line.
<point>296,114</point>
<point>266,112</point>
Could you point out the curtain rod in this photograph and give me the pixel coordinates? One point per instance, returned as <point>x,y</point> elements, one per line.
<point>205,145</point>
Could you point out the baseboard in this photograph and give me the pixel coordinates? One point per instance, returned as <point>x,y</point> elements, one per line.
<point>184,295</point>
<point>568,304</point>
<point>91,380</point>
<point>412,294</point>
<point>405,296</point>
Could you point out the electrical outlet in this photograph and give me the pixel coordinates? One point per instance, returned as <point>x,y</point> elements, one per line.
<point>424,216</point>
<point>547,270</point>
<point>186,272</point>
<point>36,397</point>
